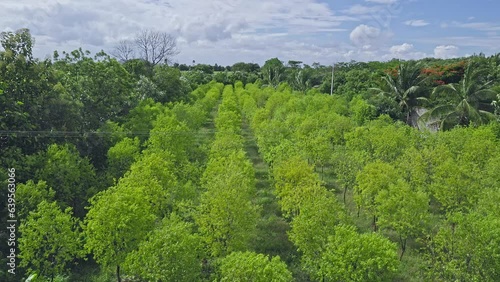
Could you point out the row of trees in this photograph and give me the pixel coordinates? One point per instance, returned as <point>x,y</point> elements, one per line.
<point>127,224</point>
<point>418,189</point>
<point>335,250</point>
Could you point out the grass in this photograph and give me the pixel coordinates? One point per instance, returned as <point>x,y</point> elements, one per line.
<point>272,228</point>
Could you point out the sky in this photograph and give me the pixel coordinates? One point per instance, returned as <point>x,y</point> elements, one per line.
<point>230,31</point>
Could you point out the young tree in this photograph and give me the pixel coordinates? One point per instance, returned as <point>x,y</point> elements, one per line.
<point>252,267</point>
<point>295,183</point>
<point>404,210</point>
<point>466,246</point>
<point>122,155</point>
<point>320,214</point>
<point>50,239</point>
<point>227,218</point>
<point>371,181</point>
<point>172,252</point>
<point>117,221</point>
<point>350,256</point>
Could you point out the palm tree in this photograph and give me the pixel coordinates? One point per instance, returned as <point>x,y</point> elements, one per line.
<point>471,101</point>
<point>406,88</point>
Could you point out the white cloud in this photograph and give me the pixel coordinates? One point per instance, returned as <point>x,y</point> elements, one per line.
<point>446,51</point>
<point>405,51</point>
<point>416,23</point>
<point>364,35</point>
<point>401,49</point>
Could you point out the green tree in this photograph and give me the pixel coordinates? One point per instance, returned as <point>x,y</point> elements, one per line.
<point>404,210</point>
<point>456,185</point>
<point>72,177</point>
<point>295,183</point>
<point>466,246</point>
<point>371,181</point>
<point>470,103</point>
<point>50,239</point>
<point>172,252</point>
<point>169,81</point>
<point>273,72</point>
<point>321,214</point>
<point>249,266</point>
<point>350,256</point>
<point>406,88</point>
<point>227,217</point>
<point>117,221</point>
<point>19,43</point>
<point>101,84</point>
<point>122,155</point>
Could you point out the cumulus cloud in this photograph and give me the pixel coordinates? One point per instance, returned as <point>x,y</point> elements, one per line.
<point>401,49</point>
<point>364,35</point>
<point>446,51</point>
<point>416,23</point>
<point>404,51</point>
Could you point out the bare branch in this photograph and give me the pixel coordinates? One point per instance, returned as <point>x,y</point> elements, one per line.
<point>124,51</point>
<point>156,47</point>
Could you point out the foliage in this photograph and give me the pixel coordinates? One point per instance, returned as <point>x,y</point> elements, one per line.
<point>71,176</point>
<point>50,239</point>
<point>470,103</point>
<point>350,256</point>
<point>248,266</point>
<point>117,221</point>
<point>30,195</point>
<point>406,88</point>
<point>170,253</point>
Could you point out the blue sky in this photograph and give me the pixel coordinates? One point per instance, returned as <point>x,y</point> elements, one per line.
<point>228,31</point>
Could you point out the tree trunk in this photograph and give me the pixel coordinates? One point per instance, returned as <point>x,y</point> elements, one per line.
<point>345,192</point>
<point>118,273</point>
<point>403,247</point>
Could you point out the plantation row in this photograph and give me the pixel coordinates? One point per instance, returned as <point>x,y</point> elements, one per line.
<point>432,193</point>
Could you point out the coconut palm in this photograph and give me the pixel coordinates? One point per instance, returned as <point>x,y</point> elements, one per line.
<point>471,101</point>
<point>407,88</point>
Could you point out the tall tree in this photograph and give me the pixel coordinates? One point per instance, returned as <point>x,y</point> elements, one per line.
<point>471,101</point>
<point>19,43</point>
<point>156,47</point>
<point>72,177</point>
<point>406,87</point>
<point>273,72</point>
<point>124,50</point>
